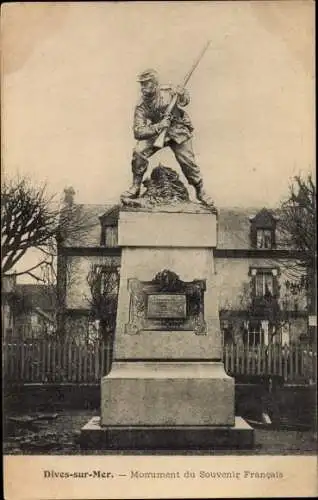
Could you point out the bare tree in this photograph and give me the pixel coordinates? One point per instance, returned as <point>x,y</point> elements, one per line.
<point>33,220</point>
<point>103,283</point>
<point>298,232</point>
<point>28,220</point>
<point>298,227</point>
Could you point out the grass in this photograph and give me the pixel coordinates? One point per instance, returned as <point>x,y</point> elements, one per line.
<point>58,435</point>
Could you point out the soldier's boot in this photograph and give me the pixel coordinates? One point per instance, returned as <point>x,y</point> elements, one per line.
<point>134,190</point>
<point>202,195</point>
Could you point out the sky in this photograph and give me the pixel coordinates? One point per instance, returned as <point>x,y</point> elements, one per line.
<point>69,89</point>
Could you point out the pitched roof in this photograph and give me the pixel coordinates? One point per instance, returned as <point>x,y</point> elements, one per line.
<point>84,224</point>
<point>233,225</point>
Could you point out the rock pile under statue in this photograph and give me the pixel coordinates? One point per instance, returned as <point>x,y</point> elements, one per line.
<point>163,188</point>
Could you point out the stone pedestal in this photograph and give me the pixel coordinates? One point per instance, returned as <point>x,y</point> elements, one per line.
<point>169,393</point>
<point>167,377</point>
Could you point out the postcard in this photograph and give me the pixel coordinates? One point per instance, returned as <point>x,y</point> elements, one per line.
<point>158,250</point>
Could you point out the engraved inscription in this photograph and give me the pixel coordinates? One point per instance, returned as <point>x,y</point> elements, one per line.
<point>166,306</point>
<point>180,305</point>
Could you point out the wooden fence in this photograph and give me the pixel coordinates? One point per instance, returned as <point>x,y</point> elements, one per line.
<point>41,361</point>
<point>295,363</point>
<point>56,362</point>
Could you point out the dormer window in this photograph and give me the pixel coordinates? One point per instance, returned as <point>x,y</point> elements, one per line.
<point>264,238</point>
<point>263,228</point>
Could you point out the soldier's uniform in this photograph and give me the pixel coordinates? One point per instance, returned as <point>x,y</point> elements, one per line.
<point>148,113</point>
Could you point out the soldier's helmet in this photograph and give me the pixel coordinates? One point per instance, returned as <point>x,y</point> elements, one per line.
<point>148,74</point>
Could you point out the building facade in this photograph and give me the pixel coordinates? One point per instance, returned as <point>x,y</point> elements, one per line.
<point>258,302</point>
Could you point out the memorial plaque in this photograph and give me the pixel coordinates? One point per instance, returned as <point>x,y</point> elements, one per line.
<point>168,306</point>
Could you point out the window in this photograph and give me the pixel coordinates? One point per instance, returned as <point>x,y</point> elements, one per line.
<point>264,284</point>
<point>103,283</point>
<point>254,336</point>
<point>109,227</point>
<point>264,238</point>
<point>109,236</point>
<point>255,333</point>
<point>109,279</point>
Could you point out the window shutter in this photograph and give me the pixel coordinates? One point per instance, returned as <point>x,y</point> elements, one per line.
<point>274,237</point>
<point>111,239</point>
<point>276,286</point>
<point>253,285</point>
<point>253,236</point>
<point>103,236</point>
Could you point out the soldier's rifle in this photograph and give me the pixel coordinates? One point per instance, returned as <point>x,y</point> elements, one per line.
<point>159,142</point>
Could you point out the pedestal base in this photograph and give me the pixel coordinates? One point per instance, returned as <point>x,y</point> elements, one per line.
<point>166,393</point>
<point>238,437</point>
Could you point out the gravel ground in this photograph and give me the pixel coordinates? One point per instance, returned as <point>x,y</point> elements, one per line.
<point>57,434</point>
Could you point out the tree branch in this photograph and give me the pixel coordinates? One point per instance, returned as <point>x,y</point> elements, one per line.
<point>27,220</point>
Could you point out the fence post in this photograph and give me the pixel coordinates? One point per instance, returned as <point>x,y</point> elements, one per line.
<point>225,358</point>
<point>285,356</point>
<point>237,358</point>
<point>53,361</point>
<point>291,362</point>
<point>296,361</point>
<point>232,360</point>
<point>259,354</point>
<point>280,367</point>
<point>96,368</point>
<point>269,359</point>
<point>274,360</point>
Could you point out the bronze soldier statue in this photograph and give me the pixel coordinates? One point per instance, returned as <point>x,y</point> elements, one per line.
<point>150,119</point>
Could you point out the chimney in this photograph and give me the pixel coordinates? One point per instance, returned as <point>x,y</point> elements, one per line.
<point>69,193</point>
